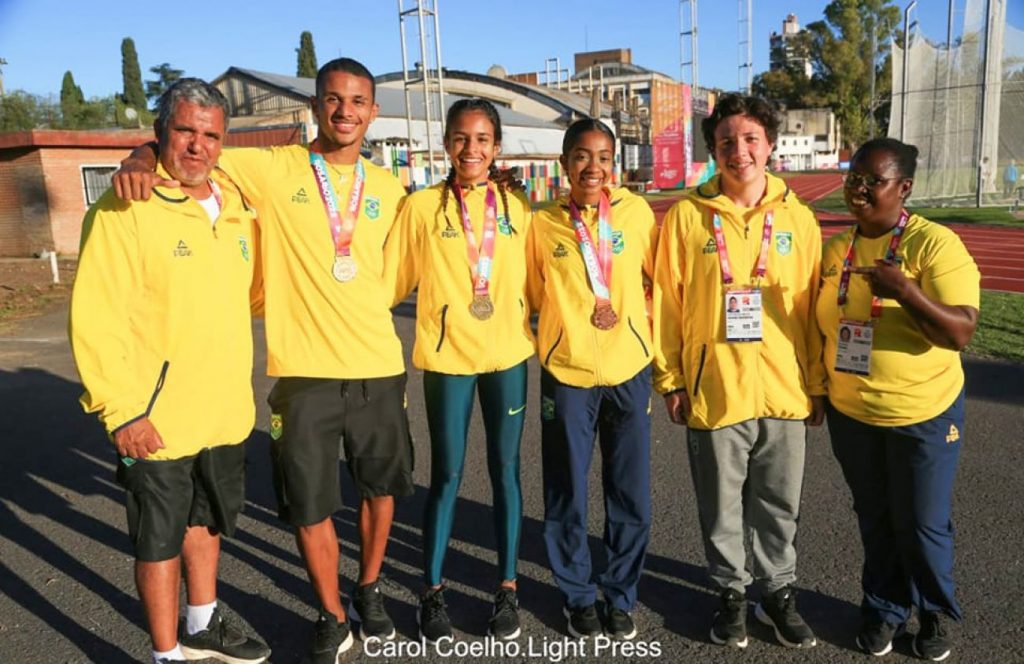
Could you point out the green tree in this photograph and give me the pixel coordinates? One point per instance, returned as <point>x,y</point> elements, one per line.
<point>72,102</point>
<point>166,75</point>
<point>846,47</point>
<point>22,111</point>
<point>133,94</point>
<point>852,40</point>
<point>307,56</point>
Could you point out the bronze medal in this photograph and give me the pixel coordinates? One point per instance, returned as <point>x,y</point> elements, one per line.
<point>344,268</point>
<point>481,307</point>
<point>604,317</point>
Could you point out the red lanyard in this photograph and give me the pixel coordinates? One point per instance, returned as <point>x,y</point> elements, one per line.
<point>723,252</point>
<point>894,244</point>
<point>342,228</point>
<point>481,260</point>
<point>599,262</point>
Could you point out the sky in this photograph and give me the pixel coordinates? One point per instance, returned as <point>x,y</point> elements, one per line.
<point>41,39</point>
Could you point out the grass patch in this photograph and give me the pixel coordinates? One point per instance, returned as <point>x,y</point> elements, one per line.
<point>1000,332</point>
<point>992,216</point>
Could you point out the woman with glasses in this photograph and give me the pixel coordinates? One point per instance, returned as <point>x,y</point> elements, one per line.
<point>899,300</point>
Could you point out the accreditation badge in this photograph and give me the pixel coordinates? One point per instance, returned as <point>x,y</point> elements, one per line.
<point>853,347</point>
<point>743,315</point>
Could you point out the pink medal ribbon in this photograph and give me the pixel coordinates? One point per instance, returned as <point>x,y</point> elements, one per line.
<point>598,262</point>
<point>481,259</point>
<point>343,227</point>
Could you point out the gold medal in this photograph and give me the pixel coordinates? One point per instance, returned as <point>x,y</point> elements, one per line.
<point>344,268</point>
<point>604,317</point>
<point>481,307</point>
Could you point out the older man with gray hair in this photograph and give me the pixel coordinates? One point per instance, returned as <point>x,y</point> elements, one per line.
<point>161,333</point>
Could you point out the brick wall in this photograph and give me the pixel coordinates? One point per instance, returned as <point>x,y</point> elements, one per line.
<point>66,189</point>
<point>24,205</point>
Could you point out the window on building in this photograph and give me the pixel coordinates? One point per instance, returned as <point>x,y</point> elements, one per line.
<point>95,181</point>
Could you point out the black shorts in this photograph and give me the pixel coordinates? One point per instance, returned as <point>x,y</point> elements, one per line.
<point>313,418</point>
<point>166,497</point>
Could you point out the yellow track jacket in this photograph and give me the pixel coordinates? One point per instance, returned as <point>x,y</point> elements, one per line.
<point>730,382</point>
<point>160,322</point>
<point>427,249</point>
<point>318,327</point>
<point>570,347</point>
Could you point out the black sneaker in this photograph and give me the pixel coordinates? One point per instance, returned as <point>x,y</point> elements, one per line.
<point>778,610</point>
<point>933,640</point>
<point>433,617</point>
<point>729,626</point>
<point>222,640</point>
<point>504,623</point>
<point>583,621</point>
<point>330,640</point>
<point>876,637</point>
<point>374,621</point>
<point>619,625</point>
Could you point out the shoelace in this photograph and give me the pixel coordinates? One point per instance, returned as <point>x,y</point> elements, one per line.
<point>505,601</point>
<point>434,606</point>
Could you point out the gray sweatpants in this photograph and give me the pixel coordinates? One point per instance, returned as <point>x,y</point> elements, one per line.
<point>747,478</point>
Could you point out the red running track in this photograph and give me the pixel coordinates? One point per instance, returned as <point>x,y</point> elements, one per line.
<point>998,251</point>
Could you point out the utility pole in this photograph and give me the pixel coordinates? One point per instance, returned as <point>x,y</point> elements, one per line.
<point>429,78</point>
<point>904,84</point>
<point>688,41</point>
<point>2,63</point>
<point>746,45</point>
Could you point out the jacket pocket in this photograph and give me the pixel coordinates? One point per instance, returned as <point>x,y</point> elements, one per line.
<point>700,369</point>
<point>558,340</point>
<point>444,318</point>
<point>636,334</point>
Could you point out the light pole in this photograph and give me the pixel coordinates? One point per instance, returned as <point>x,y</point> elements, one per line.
<point>906,69</point>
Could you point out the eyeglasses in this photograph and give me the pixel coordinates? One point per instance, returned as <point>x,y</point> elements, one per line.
<point>854,180</point>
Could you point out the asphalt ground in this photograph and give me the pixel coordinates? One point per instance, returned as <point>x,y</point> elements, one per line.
<point>67,594</point>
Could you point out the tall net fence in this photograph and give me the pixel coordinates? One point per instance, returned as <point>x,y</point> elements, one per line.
<point>963,106</point>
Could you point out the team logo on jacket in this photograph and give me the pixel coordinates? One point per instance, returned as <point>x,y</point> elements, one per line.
<point>449,233</point>
<point>710,247</point>
<point>243,244</point>
<point>547,408</point>
<point>504,227</point>
<point>182,249</point>
<point>371,207</point>
<point>560,251</point>
<point>300,196</point>
<point>618,243</point>
<point>276,426</point>
<point>831,271</point>
<point>953,435</point>
<point>783,242</point>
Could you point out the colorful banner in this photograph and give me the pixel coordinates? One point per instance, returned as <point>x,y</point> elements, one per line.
<point>667,135</point>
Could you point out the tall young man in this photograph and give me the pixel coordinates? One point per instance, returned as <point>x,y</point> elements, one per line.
<point>324,214</point>
<point>738,359</point>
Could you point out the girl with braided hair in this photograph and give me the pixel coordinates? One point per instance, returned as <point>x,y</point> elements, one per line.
<point>462,242</point>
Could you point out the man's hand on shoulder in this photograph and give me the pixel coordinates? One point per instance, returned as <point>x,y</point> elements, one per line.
<point>138,439</point>
<point>135,180</point>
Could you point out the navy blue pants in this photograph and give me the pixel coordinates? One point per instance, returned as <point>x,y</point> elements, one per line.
<point>619,417</point>
<point>902,484</point>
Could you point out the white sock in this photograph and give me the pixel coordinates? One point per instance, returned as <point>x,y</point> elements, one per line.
<point>198,617</point>
<point>172,654</point>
